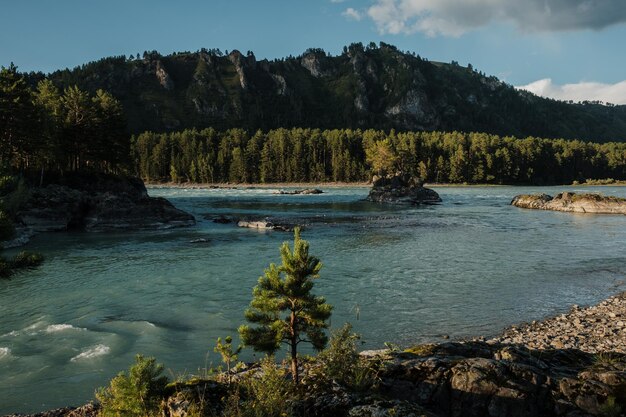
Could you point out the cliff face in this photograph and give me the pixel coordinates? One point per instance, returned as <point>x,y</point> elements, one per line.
<point>365,87</point>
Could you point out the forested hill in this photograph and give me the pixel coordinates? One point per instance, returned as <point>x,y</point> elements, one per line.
<point>364,87</point>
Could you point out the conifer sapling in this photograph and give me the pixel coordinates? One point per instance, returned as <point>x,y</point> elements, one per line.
<point>283,308</point>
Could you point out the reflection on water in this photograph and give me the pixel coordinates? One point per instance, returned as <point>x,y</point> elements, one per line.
<point>468,266</point>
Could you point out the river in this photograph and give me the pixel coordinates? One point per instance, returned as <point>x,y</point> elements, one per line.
<point>469,266</point>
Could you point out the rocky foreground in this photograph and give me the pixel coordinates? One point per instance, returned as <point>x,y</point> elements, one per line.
<point>94,203</point>
<point>572,203</point>
<point>571,365</point>
<point>401,189</point>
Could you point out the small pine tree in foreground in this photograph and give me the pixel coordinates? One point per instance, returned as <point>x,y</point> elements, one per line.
<point>283,308</point>
<point>136,394</point>
<point>225,349</point>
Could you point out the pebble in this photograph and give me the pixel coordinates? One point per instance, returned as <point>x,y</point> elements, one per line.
<point>592,329</point>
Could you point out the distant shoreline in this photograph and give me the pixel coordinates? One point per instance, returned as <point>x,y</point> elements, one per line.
<point>187,185</point>
<point>202,186</point>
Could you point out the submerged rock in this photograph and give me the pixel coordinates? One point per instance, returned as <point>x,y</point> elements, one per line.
<point>96,203</point>
<point>265,225</point>
<point>572,202</point>
<point>298,192</point>
<point>401,188</point>
<point>261,225</point>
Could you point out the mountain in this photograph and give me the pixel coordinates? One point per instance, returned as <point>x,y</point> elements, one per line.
<point>364,87</point>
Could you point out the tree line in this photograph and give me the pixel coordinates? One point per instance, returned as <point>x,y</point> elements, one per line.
<point>314,155</point>
<point>46,129</point>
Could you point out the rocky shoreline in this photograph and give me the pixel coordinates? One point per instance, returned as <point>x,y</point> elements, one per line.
<point>94,203</point>
<point>596,329</point>
<point>570,365</point>
<point>572,203</point>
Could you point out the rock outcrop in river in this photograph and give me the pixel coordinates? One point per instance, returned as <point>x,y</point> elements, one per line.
<point>572,202</point>
<point>401,188</point>
<point>95,203</point>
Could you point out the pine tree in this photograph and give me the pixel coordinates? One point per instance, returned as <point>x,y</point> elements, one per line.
<point>287,289</point>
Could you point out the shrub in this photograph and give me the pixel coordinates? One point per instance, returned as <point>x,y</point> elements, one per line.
<point>7,231</point>
<point>268,393</point>
<point>26,260</point>
<point>8,184</point>
<point>13,201</point>
<point>341,363</point>
<point>137,394</point>
<point>5,269</point>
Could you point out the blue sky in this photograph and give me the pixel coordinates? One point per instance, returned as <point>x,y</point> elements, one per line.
<point>566,48</point>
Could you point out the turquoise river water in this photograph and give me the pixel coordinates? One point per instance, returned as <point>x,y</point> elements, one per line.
<point>470,266</point>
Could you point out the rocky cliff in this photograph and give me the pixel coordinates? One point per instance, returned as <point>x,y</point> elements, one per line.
<point>572,203</point>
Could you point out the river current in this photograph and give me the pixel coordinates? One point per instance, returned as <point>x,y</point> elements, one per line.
<point>469,266</point>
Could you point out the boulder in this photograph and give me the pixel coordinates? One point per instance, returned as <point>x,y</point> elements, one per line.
<point>572,203</point>
<point>402,189</point>
<point>261,225</point>
<point>297,192</point>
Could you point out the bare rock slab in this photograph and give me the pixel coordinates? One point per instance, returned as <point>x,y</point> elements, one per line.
<point>572,203</point>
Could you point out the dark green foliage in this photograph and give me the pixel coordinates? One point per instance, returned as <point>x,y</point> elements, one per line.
<point>136,394</point>
<point>341,363</point>
<point>8,184</point>
<point>267,394</point>
<point>286,289</point>
<point>296,155</point>
<point>27,260</point>
<point>228,354</point>
<point>44,129</point>
<point>7,230</point>
<point>365,87</point>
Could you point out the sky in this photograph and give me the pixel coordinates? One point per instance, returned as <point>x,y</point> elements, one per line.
<point>565,49</point>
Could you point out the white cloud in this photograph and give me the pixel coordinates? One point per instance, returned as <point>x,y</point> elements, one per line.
<point>592,91</point>
<point>455,17</point>
<point>337,1</point>
<point>352,14</point>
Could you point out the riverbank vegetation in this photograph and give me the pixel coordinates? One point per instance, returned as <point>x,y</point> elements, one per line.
<point>312,155</point>
<point>45,129</point>
<point>23,260</point>
<point>46,132</point>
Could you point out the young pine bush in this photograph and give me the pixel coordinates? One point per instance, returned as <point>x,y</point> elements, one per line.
<point>136,394</point>
<point>341,363</point>
<point>268,393</point>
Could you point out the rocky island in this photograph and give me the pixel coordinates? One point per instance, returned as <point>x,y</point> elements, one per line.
<point>94,203</point>
<point>401,189</point>
<point>572,203</point>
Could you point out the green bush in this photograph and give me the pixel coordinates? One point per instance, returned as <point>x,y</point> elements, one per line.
<point>7,231</point>
<point>5,269</point>
<point>13,201</point>
<point>268,393</point>
<point>26,260</point>
<point>341,363</point>
<point>137,394</point>
<point>8,184</point>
